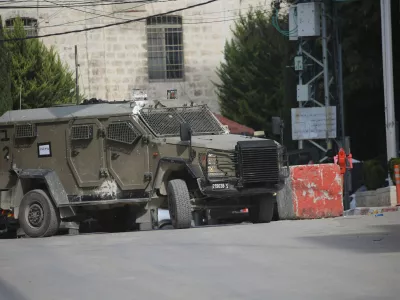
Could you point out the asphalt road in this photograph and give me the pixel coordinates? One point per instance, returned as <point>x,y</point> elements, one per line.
<point>344,258</point>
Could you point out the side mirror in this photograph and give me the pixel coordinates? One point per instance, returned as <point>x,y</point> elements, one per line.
<point>185,132</point>
<point>276,126</point>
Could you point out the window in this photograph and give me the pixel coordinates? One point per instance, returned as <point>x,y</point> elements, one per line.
<point>165,47</point>
<point>123,132</point>
<point>30,25</point>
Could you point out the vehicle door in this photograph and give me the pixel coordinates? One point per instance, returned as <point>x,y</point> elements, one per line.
<point>127,153</point>
<point>5,156</point>
<point>85,151</point>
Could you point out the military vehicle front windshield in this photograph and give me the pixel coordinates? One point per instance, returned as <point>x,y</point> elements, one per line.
<point>165,121</point>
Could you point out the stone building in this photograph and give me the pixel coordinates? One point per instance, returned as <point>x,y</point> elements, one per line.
<point>180,50</point>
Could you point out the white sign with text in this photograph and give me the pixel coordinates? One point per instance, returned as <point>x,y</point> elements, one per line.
<point>311,123</point>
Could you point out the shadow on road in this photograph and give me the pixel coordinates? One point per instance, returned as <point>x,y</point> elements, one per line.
<point>8,292</point>
<point>380,239</point>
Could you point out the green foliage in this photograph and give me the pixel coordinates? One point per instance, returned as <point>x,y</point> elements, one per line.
<point>37,72</point>
<point>391,164</point>
<point>374,174</point>
<point>252,79</point>
<point>5,83</point>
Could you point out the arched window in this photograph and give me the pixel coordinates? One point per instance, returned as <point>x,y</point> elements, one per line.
<point>30,25</point>
<point>165,48</point>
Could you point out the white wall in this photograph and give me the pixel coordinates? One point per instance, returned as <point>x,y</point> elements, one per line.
<point>113,61</point>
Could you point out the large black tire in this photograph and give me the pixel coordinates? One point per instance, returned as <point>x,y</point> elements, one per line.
<point>263,209</point>
<point>180,210</point>
<point>38,216</point>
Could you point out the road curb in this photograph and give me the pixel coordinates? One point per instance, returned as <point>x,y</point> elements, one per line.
<point>368,211</point>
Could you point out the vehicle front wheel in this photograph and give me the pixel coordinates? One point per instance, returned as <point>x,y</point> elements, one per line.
<point>263,209</point>
<point>38,216</point>
<point>179,204</point>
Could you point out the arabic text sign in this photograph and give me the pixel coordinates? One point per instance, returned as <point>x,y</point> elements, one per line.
<point>311,123</point>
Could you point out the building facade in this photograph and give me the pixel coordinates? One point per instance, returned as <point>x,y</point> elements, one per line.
<point>177,51</point>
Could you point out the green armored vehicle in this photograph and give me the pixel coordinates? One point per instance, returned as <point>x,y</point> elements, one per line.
<point>120,162</point>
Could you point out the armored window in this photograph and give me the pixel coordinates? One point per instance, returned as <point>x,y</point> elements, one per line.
<point>163,121</point>
<point>25,131</point>
<point>165,48</point>
<point>30,25</point>
<point>123,132</point>
<point>81,132</point>
<point>166,121</point>
<point>201,120</point>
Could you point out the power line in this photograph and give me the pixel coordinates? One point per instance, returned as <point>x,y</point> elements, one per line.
<point>111,25</point>
<point>198,21</point>
<point>79,4</point>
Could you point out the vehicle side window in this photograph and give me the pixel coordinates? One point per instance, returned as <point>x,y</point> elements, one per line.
<point>123,132</point>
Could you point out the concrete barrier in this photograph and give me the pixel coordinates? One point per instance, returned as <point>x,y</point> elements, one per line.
<point>381,197</point>
<point>311,192</point>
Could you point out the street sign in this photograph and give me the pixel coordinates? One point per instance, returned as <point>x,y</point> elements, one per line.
<point>311,123</point>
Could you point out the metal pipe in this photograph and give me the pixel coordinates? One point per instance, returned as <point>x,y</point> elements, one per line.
<point>387,62</point>
<point>300,53</point>
<point>326,67</point>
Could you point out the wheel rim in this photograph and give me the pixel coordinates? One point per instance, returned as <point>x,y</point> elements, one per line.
<point>35,215</point>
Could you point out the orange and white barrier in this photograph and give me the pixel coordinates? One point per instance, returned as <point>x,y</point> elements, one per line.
<point>312,192</point>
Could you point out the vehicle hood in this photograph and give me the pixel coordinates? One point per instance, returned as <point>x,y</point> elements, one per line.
<point>217,142</point>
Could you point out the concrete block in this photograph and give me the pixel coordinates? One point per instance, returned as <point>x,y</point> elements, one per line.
<point>381,197</point>
<point>311,192</point>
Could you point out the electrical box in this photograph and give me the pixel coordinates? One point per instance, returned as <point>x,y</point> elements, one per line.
<point>298,63</point>
<point>293,36</point>
<point>303,92</point>
<point>308,19</point>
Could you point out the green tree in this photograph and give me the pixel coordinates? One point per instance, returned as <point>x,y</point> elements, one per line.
<point>5,83</point>
<point>252,77</point>
<point>37,72</point>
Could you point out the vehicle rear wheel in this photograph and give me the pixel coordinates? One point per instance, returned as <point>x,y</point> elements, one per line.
<point>263,209</point>
<point>179,204</point>
<point>38,216</point>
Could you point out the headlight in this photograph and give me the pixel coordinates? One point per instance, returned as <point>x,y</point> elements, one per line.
<point>212,167</point>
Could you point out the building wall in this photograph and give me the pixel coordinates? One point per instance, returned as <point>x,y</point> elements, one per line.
<point>113,60</point>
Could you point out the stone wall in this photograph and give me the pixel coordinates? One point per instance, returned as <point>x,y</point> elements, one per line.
<point>113,61</point>
<point>381,197</point>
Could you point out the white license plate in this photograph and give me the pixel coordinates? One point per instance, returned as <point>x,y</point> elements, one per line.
<point>220,186</point>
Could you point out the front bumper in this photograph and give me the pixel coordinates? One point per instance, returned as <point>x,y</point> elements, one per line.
<point>232,190</point>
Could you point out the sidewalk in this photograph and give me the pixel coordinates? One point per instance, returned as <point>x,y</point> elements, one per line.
<point>363,211</point>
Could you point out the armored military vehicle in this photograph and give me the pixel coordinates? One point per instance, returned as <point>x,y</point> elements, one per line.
<point>119,162</point>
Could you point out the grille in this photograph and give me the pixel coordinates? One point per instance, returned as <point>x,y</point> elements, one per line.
<point>166,121</point>
<point>81,132</point>
<point>259,164</point>
<point>201,120</point>
<point>163,121</point>
<point>25,131</point>
<point>123,132</point>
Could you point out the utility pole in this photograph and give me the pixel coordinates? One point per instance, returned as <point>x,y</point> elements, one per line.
<point>76,75</point>
<point>308,22</point>
<point>387,62</point>
<point>325,68</point>
<point>339,85</point>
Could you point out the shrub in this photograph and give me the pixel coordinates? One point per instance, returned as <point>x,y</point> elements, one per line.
<point>374,174</point>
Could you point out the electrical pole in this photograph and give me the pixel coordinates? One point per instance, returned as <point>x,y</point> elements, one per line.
<point>326,68</point>
<point>339,86</point>
<point>76,75</point>
<point>387,62</point>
